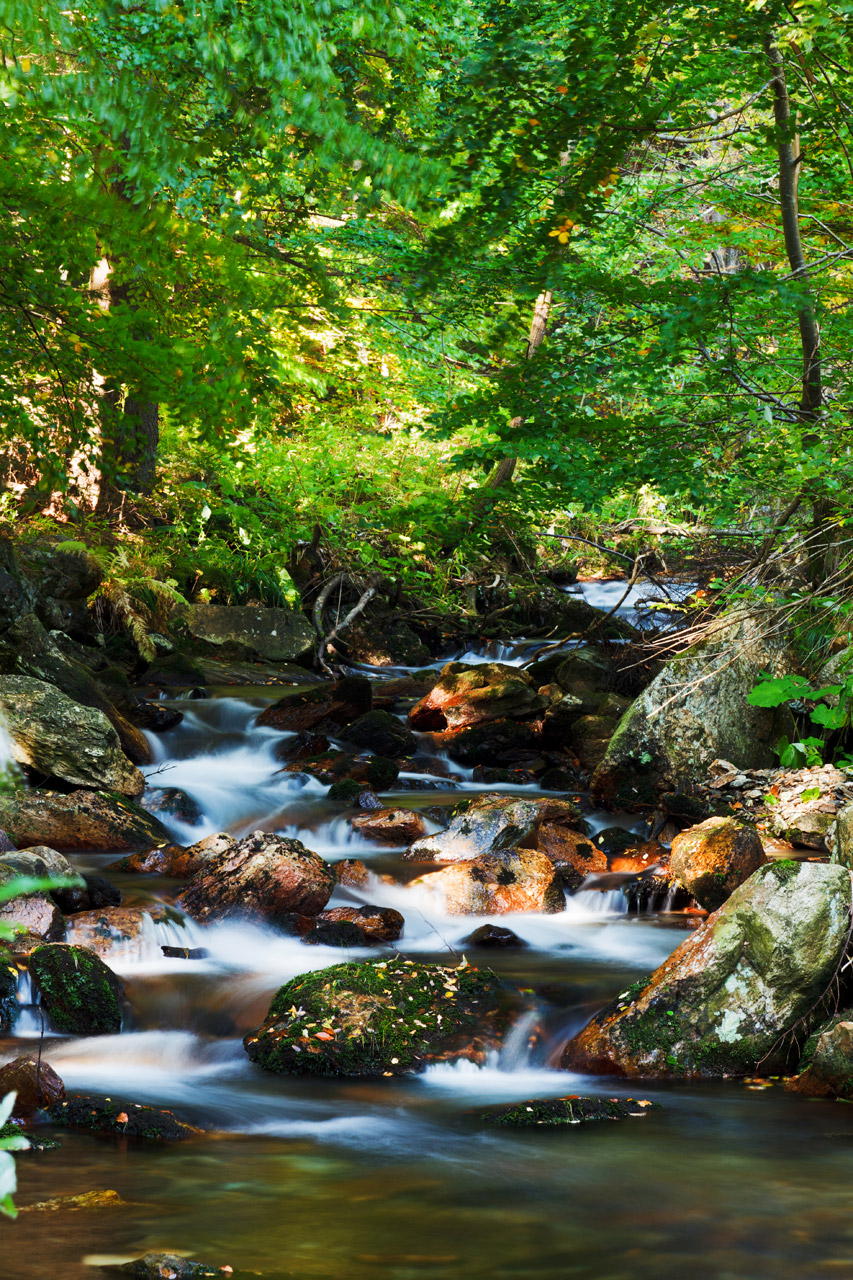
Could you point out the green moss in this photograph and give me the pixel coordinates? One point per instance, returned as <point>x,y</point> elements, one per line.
<point>371,1017</point>
<point>82,995</point>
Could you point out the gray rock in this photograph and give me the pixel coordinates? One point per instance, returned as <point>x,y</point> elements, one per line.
<point>492,823</point>
<point>279,635</point>
<point>755,977</point>
<point>842,852</point>
<point>694,712</point>
<point>62,739</point>
<point>712,859</point>
<point>826,1067</point>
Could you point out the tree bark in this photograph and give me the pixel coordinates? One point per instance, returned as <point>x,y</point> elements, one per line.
<point>503,471</point>
<point>790,160</point>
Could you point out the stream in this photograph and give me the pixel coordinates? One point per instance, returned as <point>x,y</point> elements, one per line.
<point>393,1178</point>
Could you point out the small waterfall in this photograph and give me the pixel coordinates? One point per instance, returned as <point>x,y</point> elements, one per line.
<point>515,1051</point>
<point>32,1021</point>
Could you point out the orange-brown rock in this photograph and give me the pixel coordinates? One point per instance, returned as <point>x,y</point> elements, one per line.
<point>180,863</point>
<point>112,930</point>
<point>496,883</point>
<point>466,696</point>
<point>261,877</point>
<point>569,848</point>
<point>36,1085</point>
<point>714,857</point>
<point>352,871</point>
<point>91,820</point>
<point>328,705</point>
<point>390,826</point>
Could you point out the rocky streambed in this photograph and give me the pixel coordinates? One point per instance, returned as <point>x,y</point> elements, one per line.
<point>369,980</point>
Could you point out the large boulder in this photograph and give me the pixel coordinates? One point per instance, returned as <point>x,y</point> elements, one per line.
<point>80,994</point>
<point>466,696</point>
<point>711,859</point>
<point>91,820</point>
<point>498,883</point>
<point>694,712</point>
<point>493,822</point>
<point>378,1018</point>
<point>60,738</point>
<point>279,635</point>
<point>263,877</point>
<point>735,992</point>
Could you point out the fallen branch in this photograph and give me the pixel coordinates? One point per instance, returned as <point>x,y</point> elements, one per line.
<point>373,585</point>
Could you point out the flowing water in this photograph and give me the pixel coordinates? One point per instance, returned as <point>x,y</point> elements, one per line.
<point>395,1178</point>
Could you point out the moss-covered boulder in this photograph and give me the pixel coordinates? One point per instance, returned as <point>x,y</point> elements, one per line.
<point>279,635</point>
<point>556,1113</point>
<point>60,738</point>
<point>711,859</point>
<point>80,994</point>
<point>694,712</point>
<point>737,990</point>
<point>91,820</point>
<point>375,1018</point>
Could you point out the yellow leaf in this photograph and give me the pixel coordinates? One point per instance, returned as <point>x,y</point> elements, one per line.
<point>25,65</point>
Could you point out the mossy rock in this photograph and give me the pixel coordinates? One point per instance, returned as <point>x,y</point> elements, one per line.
<point>9,1007</point>
<point>35,1140</point>
<point>124,1119</point>
<point>81,995</point>
<point>374,1018</point>
<point>559,1112</point>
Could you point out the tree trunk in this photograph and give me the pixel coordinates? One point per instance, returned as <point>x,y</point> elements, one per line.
<point>502,472</point>
<point>130,422</point>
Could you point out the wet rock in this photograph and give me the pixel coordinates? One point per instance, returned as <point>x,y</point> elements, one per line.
<point>349,791</point>
<point>352,871</point>
<point>326,707</point>
<point>9,1007</point>
<point>728,997</point>
<point>591,734</point>
<point>493,937</point>
<point>390,826</point>
<point>7,845</point>
<point>807,829</point>
<point>41,863</point>
<point>335,933</point>
<point>826,1066</point>
<point>72,1204</point>
<point>842,851</point>
<point>90,820</point>
<point>124,1119</point>
<point>557,1112</point>
<point>111,930</point>
<point>279,635</point>
<point>60,738</point>
<point>170,802</point>
<point>36,1085</point>
<point>379,924</point>
<point>559,778</point>
<point>176,671</point>
<point>713,858</point>
<point>34,913</point>
<point>382,772</point>
<point>80,994</point>
<point>385,642</point>
<point>185,953</point>
<point>514,777</point>
<point>169,1266</point>
<point>494,822</point>
<point>305,745</point>
<point>156,717</point>
<point>382,733</point>
<point>374,1018</point>
<point>259,878</point>
<point>495,740</point>
<point>570,849</point>
<point>493,884</point>
<point>178,862</point>
<point>695,711</point>
<point>616,840</point>
<point>465,696</point>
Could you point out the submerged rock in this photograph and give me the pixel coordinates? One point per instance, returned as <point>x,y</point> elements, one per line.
<point>124,1119</point>
<point>80,994</point>
<point>558,1112</point>
<point>279,635</point>
<point>727,998</point>
<point>375,1018</point>
<point>91,820</point>
<point>494,938</point>
<point>169,1266</point>
<point>694,712</point>
<point>261,877</point>
<point>466,696</point>
<point>377,924</point>
<point>60,738</point>
<point>713,858</point>
<point>496,883</point>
